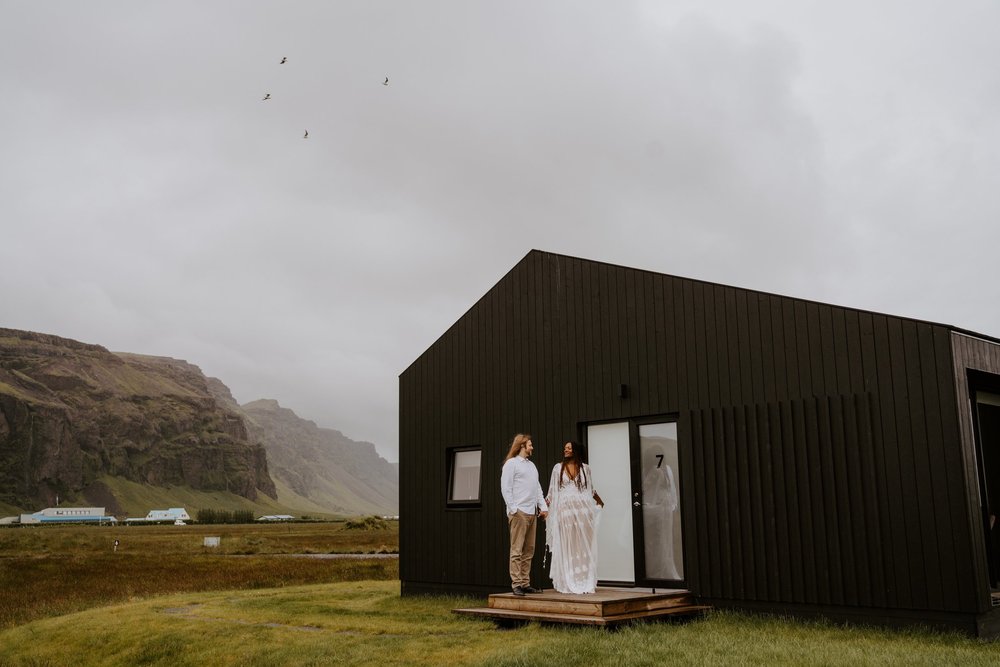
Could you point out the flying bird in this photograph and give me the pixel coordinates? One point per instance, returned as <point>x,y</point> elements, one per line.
<point>267,97</point>
<point>283,61</point>
<point>306,135</point>
<point>386,82</point>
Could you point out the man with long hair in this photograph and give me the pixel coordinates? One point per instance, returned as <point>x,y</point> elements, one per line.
<point>522,494</point>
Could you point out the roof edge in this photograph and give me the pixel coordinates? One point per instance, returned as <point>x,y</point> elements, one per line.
<point>535,251</point>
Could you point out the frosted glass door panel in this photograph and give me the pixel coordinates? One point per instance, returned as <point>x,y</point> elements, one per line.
<point>608,450</point>
<point>661,511</point>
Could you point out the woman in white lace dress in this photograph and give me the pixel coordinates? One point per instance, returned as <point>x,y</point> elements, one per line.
<point>571,527</point>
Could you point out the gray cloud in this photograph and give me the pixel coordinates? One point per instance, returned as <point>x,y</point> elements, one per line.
<point>152,202</point>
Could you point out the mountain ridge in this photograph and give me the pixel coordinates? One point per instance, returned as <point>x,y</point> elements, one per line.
<point>75,417</point>
<point>344,473</point>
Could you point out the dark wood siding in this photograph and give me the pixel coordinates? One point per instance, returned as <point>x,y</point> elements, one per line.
<point>968,353</point>
<point>826,462</point>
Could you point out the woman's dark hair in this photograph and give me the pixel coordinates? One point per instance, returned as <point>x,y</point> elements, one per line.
<point>579,457</point>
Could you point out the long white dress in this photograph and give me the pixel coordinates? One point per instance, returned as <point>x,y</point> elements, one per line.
<point>571,532</point>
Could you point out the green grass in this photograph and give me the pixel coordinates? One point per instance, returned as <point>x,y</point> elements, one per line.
<point>44,587</point>
<point>255,538</point>
<point>10,390</point>
<point>368,623</point>
<point>51,570</point>
<point>163,599</point>
<point>10,510</point>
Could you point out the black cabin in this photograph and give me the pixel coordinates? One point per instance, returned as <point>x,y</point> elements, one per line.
<point>764,452</point>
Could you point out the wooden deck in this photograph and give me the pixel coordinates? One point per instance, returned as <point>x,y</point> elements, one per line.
<point>607,607</point>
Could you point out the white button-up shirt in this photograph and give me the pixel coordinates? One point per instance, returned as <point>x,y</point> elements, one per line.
<point>520,488</point>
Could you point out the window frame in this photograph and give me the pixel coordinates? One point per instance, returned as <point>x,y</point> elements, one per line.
<point>450,457</point>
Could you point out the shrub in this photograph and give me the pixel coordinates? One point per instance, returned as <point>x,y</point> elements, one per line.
<point>367,523</point>
<point>225,516</point>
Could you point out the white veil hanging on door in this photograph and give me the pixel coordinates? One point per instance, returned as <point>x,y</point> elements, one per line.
<point>660,503</point>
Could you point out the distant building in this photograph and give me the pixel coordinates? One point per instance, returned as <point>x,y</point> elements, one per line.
<point>68,515</point>
<point>173,514</point>
<point>276,517</point>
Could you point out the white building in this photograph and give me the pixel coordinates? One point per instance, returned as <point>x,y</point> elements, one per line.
<point>68,515</point>
<point>172,514</point>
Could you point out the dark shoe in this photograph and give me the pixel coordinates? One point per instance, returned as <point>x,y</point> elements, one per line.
<point>518,590</point>
<point>529,589</point>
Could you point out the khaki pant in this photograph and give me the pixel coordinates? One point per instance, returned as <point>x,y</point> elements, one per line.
<point>522,548</point>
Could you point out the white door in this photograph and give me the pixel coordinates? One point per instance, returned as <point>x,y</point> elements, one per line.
<point>610,463</point>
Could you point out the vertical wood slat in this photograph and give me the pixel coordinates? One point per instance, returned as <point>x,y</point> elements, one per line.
<point>913,555</point>
<point>733,502</point>
<point>695,510</point>
<point>851,356</point>
<point>829,501</point>
<point>665,342</point>
<point>874,498</point>
<point>716,505</point>
<point>751,348</point>
<point>802,349</point>
<point>620,334</point>
<point>769,518</point>
<point>779,330</point>
<point>751,481</point>
<point>841,336</point>
<point>924,471</point>
<point>828,382</point>
<point>633,377</point>
<point>649,335</point>
<point>851,506</point>
<point>708,357</point>
<point>944,499</point>
<point>889,463</point>
<point>800,497</point>
<point>730,367</point>
<point>791,584</point>
<point>768,345</point>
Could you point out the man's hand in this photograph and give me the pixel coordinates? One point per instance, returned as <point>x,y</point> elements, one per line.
<point>543,514</point>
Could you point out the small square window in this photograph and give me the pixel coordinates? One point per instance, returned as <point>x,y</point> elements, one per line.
<point>464,467</point>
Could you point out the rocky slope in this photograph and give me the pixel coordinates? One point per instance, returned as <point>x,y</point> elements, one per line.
<point>72,412</point>
<point>323,465</point>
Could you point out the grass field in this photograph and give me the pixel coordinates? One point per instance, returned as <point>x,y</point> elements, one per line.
<point>66,598</point>
<point>368,623</point>
<point>256,538</point>
<point>51,570</point>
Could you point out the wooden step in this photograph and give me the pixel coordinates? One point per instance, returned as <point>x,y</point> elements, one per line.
<point>605,602</point>
<point>605,607</point>
<point>577,619</point>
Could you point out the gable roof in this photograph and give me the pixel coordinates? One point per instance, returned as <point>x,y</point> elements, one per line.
<point>543,253</point>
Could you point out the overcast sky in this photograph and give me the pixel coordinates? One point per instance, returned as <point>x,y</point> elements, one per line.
<point>151,201</point>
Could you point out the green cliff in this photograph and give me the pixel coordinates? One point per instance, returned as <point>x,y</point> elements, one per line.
<point>72,414</point>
